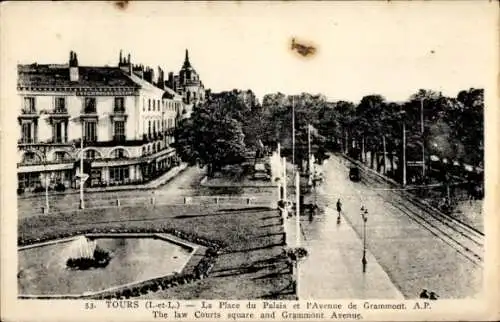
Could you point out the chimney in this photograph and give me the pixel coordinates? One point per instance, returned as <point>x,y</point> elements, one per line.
<point>170,81</point>
<point>73,67</point>
<point>125,65</point>
<point>161,79</point>
<point>138,71</point>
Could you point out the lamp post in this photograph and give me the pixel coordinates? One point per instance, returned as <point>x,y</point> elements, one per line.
<point>47,182</point>
<point>364,216</point>
<point>293,133</point>
<point>82,202</point>
<point>423,139</point>
<point>403,113</point>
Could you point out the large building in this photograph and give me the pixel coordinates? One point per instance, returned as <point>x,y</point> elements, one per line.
<point>188,84</point>
<point>125,118</point>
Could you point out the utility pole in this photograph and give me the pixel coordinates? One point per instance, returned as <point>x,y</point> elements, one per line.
<point>293,132</point>
<point>297,237</point>
<point>309,165</point>
<point>297,206</point>
<point>423,139</point>
<point>383,145</point>
<point>404,153</point>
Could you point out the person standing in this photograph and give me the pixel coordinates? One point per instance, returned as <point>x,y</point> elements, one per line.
<point>339,207</point>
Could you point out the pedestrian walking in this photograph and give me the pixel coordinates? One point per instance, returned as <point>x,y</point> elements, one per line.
<point>424,294</point>
<point>339,207</point>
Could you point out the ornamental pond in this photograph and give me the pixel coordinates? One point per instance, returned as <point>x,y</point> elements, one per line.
<point>83,265</point>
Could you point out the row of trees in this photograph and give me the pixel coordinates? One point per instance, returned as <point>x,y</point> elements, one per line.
<point>231,123</point>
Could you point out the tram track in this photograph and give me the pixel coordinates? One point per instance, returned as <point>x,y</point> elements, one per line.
<point>463,238</point>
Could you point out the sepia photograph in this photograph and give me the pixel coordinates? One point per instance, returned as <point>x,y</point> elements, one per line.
<point>275,152</point>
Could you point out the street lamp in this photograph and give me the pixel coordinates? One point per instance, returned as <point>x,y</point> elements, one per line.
<point>364,216</point>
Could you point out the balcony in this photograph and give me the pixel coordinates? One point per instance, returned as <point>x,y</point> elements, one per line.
<point>58,113</point>
<point>26,141</point>
<point>119,139</point>
<point>28,114</point>
<point>118,115</point>
<point>89,113</point>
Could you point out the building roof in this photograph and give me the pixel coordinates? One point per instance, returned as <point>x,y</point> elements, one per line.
<point>145,85</point>
<point>171,94</point>
<point>36,75</point>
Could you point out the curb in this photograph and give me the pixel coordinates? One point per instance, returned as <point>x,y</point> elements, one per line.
<point>181,169</point>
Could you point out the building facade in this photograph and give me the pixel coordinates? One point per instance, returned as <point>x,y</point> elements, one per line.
<point>188,84</point>
<point>122,119</point>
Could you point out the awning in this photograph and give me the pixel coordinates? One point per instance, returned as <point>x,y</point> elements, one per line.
<point>42,167</point>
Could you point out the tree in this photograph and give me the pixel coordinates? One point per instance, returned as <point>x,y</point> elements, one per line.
<point>211,137</point>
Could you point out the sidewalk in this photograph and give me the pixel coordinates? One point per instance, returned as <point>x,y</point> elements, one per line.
<point>153,184</point>
<point>333,269</point>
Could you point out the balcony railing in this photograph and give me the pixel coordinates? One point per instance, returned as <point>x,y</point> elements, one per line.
<point>89,111</point>
<point>119,110</point>
<point>59,111</point>
<point>26,141</point>
<point>119,138</point>
<point>28,111</point>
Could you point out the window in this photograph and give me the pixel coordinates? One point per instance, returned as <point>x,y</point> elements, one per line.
<point>30,158</point>
<point>90,105</point>
<point>119,174</point>
<point>119,131</point>
<point>90,154</point>
<point>158,104</point>
<point>154,105</point>
<point>119,105</point>
<point>29,105</point>
<point>149,128</point>
<point>27,133</point>
<point>119,154</point>
<point>58,135</point>
<point>60,105</point>
<point>90,131</point>
<point>143,104</point>
<point>29,179</point>
<point>154,127</point>
<point>149,104</point>
<point>60,156</point>
<point>158,125</point>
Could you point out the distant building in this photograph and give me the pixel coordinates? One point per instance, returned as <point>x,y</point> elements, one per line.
<point>126,121</point>
<point>188,84</point>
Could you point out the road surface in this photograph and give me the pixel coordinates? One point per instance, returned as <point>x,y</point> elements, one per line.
<point>415,253</point>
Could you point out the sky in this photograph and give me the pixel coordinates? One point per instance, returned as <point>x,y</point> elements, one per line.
<point>387,48</point>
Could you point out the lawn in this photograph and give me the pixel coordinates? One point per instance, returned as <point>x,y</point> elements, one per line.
<point>250,264</point>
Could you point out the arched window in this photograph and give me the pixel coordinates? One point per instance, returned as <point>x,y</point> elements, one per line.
<point>154,148</point>
<point>91,154</point>
<point>144,151</point>
<point>30,158</point>
<point>158,146</point>
<point>149,127</point>
<point>119,154</point>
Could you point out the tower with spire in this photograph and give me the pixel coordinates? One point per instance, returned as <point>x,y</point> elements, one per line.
<point>187,83</point>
